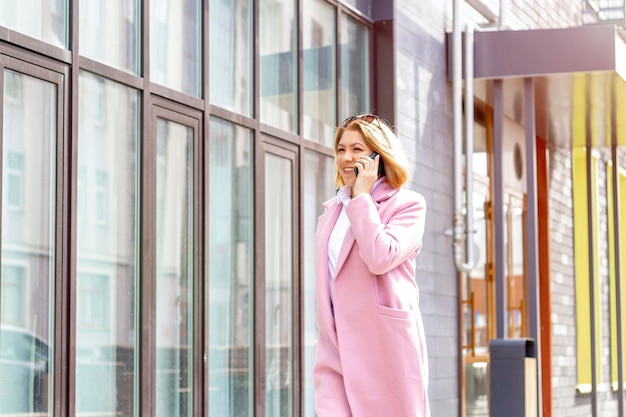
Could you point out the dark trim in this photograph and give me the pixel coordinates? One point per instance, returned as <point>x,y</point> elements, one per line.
<point>183,98</point>
<point>338,63</point>
<point>258,284</point>
<point>111,73</point>
<point>201,172</point>
<point>68,397</point>
<point>317,147</point>
<point>531,241</point>
<point>297,320</point>
<point>146,248</point>
<point>498,215</point>
<point>384,70</point>
<point>231,116</point>
<point>279,133</point>
<point>545,294</point>
<point>43,48</point>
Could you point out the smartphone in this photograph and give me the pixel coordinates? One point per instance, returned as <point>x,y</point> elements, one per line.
<point>381,167</point>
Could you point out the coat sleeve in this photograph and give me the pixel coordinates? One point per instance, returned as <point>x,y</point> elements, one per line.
<point>383,245</point>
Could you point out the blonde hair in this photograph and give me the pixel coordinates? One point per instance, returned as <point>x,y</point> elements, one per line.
<point>378,136</point>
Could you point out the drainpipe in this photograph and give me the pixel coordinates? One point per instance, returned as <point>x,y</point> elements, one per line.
<point>463,225</point>
<point>503,21</point>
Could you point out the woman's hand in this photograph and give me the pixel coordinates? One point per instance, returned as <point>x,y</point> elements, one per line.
<point>368,175</point>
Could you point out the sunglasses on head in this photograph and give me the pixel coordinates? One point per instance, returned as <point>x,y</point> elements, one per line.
<point>369,118</point>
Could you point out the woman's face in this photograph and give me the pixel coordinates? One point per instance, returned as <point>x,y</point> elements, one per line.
<point>351,148</point>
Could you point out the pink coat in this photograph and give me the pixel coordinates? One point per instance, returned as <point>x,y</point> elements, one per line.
<point>371,358</point>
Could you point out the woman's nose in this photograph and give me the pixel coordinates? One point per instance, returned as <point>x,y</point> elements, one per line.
<point>348,156</point>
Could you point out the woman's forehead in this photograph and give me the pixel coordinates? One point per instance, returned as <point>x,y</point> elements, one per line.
<point>351,137</point>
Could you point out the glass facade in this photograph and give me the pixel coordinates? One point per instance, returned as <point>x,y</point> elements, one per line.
<point>106,250</point>
<point>230,275</point>
<point>278,61</point>
<point>230,55</point>
<point>45,20</point>
<point>28,247</point>
<point>279,272</point>
<point>160,191</point>
<point>318,55</point>
<point>175,39</point>
<point>118,23</point>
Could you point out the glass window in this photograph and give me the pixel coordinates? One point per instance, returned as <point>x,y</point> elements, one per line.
<point>355,64</point>
<point>319,186</point>
<point>28,247</point>
<point>175,39</point>
<point>174,269</point>
<point>106,254</point>
<point>230,60</point>
<point>45,20</point>
<point>318,39</point>
<point>278,43</point>
<point>279,273</point>
<point>230,252</point>
<point>109,33</point>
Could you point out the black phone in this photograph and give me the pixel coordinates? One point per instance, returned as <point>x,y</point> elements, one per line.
<point>381,167</point>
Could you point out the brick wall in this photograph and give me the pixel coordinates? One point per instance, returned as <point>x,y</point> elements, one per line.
<point>423,121</point>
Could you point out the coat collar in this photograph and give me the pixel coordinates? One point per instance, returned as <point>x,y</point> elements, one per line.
<point>383,192</point>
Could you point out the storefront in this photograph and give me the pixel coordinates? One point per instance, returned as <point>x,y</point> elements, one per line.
<point>163,167</point>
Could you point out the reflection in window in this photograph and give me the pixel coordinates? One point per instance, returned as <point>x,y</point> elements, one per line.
<point>14,168</point>
<point>278,37</point>
<point>318,38</point>
<point>175,44</point>
<point>28,246</point>
<point>118,23</point>
<point>355,64</point>
<point>230,49</point>
<point>319,186</point>
<point>93,301</point>
<point>174,270</point>
<point>12,90</point>
<point>230,270</point>
<point>98,94</point>
<point>279,274</point>
<point>12,294</point>
<point>101,191</point>
<point>106,205</point>
<point>45,20</point>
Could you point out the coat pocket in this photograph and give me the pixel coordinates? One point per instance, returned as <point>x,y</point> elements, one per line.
<point>396,313</point>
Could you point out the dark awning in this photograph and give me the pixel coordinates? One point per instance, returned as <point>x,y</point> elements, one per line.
<point>579,73</point>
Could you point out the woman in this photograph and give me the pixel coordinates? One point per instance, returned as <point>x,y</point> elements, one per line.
<point>371,353</point>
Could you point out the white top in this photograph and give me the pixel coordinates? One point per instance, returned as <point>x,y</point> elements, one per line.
<point>338,235</point>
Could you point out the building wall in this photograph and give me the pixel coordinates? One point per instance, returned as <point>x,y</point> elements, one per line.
<point>424,123</point>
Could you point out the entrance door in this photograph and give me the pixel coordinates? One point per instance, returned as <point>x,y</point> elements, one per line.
<point>478,307</point>
<point>477,287</point>
<point>515,272</point>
